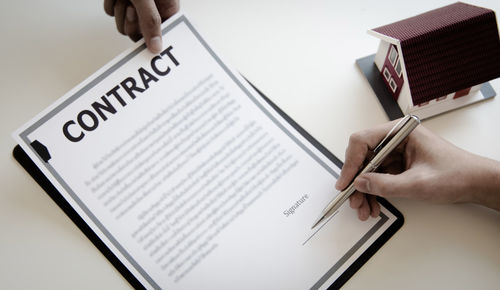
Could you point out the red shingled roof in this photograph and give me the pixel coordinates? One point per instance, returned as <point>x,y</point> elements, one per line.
<point>447,49</point>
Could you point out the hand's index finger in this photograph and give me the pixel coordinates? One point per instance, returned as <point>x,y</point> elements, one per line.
<point>149,22</point>
<point>360,144</point>
<point>354,157</point>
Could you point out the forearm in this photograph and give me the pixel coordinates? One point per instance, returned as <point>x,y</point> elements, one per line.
<point>485,181</point>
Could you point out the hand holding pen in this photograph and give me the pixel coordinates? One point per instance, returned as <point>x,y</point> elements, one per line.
<point>423,167</point>
<point>380,152</point>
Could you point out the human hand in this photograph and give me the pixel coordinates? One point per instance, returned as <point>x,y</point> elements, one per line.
<point>423,167</point>
<point>137,18</point>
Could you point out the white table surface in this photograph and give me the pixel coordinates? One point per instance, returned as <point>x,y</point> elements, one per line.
<point>301,54</point>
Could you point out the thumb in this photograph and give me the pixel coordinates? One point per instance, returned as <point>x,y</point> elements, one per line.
<point>382,184</point>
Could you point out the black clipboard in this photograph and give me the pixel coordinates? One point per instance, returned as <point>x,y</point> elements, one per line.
<point>42,180</point>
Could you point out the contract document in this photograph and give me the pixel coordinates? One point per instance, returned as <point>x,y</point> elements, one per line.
<point>193,180</point>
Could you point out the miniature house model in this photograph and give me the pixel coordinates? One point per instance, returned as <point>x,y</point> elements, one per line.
<point>437,61</point>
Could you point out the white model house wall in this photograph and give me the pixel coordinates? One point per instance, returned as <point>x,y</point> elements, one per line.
<point>383,47</point>
<point>404,101</point>
<point>447,103</point>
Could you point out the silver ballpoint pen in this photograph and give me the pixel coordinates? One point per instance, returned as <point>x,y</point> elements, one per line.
<point>395,136</point>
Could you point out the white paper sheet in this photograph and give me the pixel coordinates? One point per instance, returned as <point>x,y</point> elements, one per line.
<point>191,178</point>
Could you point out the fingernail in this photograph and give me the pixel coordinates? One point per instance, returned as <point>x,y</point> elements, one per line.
<point>155,44</point>
<point>130,14</point>
<point>363,184</point>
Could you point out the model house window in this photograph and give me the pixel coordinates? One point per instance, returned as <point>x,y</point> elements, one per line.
<point>393,54</point>
<point>387,74</point>
<point>398,67</point>
<point>393,85</point>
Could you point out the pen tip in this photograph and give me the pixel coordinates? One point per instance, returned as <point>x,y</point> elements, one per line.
<point>317,222</point>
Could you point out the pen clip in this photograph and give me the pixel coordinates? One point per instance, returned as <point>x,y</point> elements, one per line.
<point>391,133</point>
